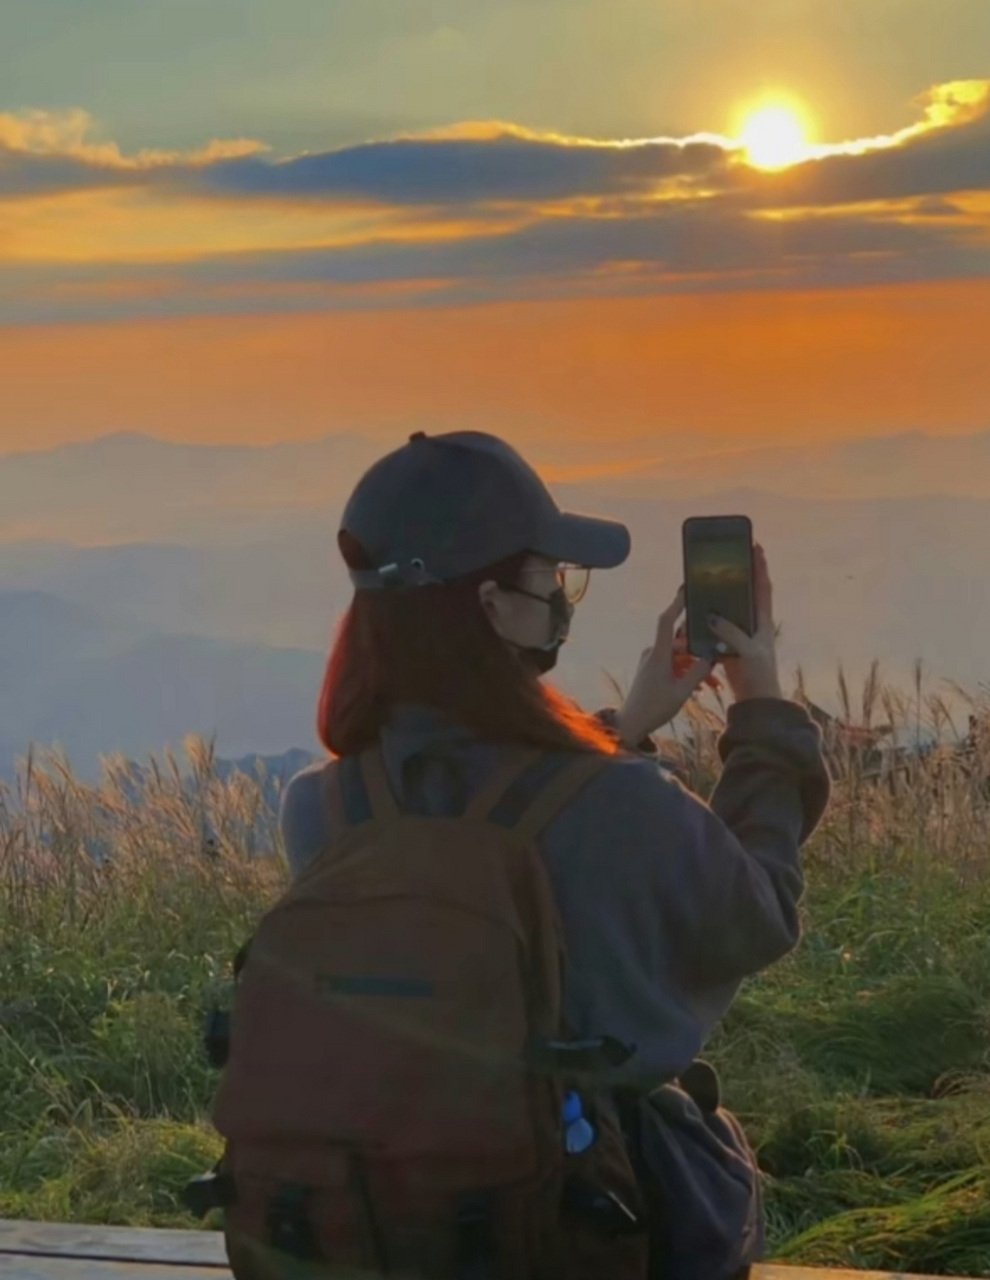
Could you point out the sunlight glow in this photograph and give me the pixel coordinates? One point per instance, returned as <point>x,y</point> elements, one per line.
<point>774,135</point>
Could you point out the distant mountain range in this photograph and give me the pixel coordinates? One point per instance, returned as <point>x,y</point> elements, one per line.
<point>909,464</point>
<point>271,771</point>
<point>68,676</point>
<point>134,488</point>
<point>149,590</point>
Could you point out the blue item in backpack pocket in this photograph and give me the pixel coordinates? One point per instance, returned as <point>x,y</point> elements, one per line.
<point>579,1133</point>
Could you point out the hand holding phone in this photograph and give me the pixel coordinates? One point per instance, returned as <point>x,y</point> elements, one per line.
<point>663,682</point>
<point>753,673</point>
<point>683,661</point>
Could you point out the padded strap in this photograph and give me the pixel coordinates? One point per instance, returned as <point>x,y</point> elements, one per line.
<point>379,801</point>
<point>513,764</point>
<point>567,783</point>
<point>383,802</point>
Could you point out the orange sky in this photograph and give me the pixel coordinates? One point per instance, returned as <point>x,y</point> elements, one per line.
<point>458,277</point>
<point>618,374</point>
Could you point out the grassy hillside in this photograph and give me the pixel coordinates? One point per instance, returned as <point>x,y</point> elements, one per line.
<point>859,1065</point>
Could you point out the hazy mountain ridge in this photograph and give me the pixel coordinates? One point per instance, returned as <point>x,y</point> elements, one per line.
<point>906,464</point>
<point>280,592</point>
<point>130,487</point>
<point>136,488</point>
<point>216,615</point>
<point>68,677</point>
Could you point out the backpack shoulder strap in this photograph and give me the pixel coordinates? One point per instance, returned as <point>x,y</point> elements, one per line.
<point>357,788</point>
<point>561,788</point>
<point>551,793</point>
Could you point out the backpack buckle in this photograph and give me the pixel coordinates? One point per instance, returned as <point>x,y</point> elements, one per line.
<point>289,1228</point>
<point>213,1190</point>
<point>475,1236</point>
<point>583,1057</point>
<point>606,1212</point>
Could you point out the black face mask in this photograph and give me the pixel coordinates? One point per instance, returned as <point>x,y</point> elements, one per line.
<point>543,658</point>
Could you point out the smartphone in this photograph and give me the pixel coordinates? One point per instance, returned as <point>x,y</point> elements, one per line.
<point>718,578</point>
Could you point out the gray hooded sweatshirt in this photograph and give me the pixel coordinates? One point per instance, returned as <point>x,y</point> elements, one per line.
<point>667,903</point>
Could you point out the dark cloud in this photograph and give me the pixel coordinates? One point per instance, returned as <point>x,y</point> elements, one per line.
<point>507,167</point>
<point>951,159</point>
<point>654,215</point>
<point>680,243</point>
<point>688,249</point>
<point>683,246</point>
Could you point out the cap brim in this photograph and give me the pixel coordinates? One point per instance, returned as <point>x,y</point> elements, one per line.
<point>586,540</point>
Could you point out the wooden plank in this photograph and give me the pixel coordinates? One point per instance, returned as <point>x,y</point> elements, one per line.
<point>34,1267</point>
<point>78,1251</point>
<point>773,1271</point>
<point>21,1266</point>
<point>114,1244</point>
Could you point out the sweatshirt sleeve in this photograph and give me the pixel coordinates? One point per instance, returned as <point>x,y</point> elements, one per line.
<point>668,902</point>
<point>739,864</point>
<point>303,818</point>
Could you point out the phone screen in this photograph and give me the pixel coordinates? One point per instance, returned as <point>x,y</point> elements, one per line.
<point>718,577</point>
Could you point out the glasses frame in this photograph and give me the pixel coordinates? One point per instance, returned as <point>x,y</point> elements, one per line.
<point>579,578</point>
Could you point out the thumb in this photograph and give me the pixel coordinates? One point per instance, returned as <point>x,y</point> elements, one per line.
<point>734,636</point>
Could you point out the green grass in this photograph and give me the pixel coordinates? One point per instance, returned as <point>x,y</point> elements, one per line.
<point>860,1069</point>
<point>859,1065</point>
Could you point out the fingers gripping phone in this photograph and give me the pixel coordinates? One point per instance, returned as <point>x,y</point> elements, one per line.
<point>718,578</point>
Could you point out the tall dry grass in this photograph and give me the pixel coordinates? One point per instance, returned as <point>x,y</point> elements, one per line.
<point>859,1064</point>
<point>171,847</point>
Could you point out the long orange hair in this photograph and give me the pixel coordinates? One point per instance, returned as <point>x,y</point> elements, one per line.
<point>434,645</point>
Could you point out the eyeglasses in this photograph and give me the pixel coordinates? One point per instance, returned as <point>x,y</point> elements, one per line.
<point>572,579</point>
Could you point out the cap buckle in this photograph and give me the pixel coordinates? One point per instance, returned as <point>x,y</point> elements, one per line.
<point>391,575</point>
<point>396,576</point>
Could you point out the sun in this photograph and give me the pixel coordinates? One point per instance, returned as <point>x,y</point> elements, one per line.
<point>774,136</point>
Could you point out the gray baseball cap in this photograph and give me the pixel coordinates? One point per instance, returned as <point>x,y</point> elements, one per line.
<point>444,506</point>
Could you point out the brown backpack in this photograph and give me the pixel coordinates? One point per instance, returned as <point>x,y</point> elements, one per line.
<point>392,1099</point>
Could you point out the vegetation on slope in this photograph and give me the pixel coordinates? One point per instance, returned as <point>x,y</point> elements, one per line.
<point>859,1065</point>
